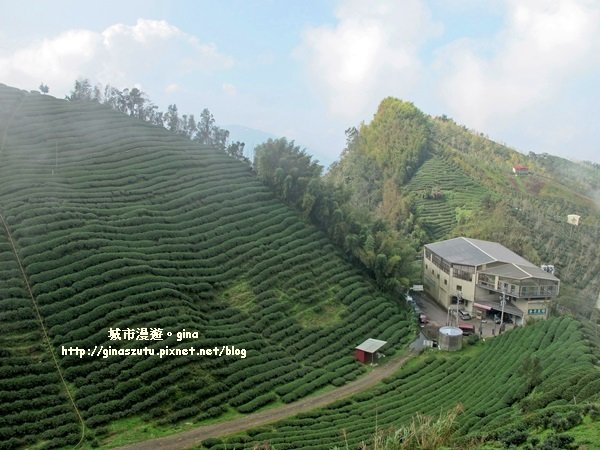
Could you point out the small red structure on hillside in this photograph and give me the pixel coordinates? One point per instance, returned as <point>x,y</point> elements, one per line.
<point>367,351</point>
<point>520,169</point>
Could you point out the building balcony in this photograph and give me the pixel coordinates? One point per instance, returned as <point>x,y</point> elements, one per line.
<point>486,285</point>
<point>523,291</point>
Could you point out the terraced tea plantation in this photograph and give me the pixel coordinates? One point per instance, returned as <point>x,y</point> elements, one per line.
<point>440,189</point>
<point>119,224</point>
<point>490,384</point>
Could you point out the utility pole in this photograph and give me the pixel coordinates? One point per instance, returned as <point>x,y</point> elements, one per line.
<point>502,303</point>
<point>458,300</point>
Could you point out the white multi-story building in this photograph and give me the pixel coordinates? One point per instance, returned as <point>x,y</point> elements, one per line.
<point>481,272</point>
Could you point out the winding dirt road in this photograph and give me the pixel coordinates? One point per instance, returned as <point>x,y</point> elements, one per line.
<point>193,437</point>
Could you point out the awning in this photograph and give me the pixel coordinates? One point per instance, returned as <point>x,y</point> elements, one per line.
<point>480,306</point>
<point>509,309</point>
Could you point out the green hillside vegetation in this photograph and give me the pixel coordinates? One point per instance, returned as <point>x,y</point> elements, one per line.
<point>292,175</point>
<point>533,381</point>
<point>427,179</point>
<point>122,224</point>
<point>444,196</point>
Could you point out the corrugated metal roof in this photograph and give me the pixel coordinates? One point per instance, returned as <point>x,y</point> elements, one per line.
<point>371,345</point>
<point>508,308</point>
<point>475,252</point>
<point>518,272</point>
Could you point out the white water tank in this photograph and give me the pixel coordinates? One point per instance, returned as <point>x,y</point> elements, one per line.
<point>450,339</point>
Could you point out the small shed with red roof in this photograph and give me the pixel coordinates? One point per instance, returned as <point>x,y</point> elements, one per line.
<point>520,169</point>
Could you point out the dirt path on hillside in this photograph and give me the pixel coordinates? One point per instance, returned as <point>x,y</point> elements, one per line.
<point>192,437</point>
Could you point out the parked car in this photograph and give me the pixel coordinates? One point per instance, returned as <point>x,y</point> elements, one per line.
<point>464,315</point>
<point>507,319</point>
<point>467,329</point>
<point>423,319</point>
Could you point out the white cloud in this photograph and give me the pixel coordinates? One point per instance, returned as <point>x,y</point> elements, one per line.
<point>371,52</point>
<point>229,89</point>
<point>172,88</point>
<point>542,46</point>
<point>120,55</point>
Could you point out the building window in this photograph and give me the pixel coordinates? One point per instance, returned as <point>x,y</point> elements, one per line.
<point>459,287</point>
<point>463,272</point>
<point>445,266</point>
<point>426,266</point>
<point>427,253</point>
<point>445,281</point>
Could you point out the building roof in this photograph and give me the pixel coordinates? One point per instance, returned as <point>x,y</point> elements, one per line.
<point>475,252</point>
<point>519,272</point>
<point>371,345</point>
<point>520,167</point>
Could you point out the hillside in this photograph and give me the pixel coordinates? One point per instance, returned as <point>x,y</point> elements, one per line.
<point>434,179</point>
<point>502,400</point>
<point>118,224</point>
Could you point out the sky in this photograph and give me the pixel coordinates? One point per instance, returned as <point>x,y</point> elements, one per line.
<point>525,73</point>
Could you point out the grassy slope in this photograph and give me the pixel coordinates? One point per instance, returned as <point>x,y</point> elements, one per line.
<point>121,224</point>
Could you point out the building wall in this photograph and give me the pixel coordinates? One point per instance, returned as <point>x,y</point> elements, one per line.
<point>468,291</point>
<point>365,357</point>
<point>533,309</point>
<point>442,286</point>
<point>360,355</point>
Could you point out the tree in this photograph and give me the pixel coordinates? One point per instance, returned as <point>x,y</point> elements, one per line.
<point>81,91</point>
<point>44,89</point>
<point>172,118</point>
<point>135,103</point>
<point>285,167</point>
<point>97,94</point>
<point>205,126</point>
<point>236,150</point>
<point>210,134</point>
<point>189,126</point>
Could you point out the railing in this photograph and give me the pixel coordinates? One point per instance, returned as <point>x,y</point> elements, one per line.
<point>541,292</point>
<point>523,291</point>
<point>486,285</point>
